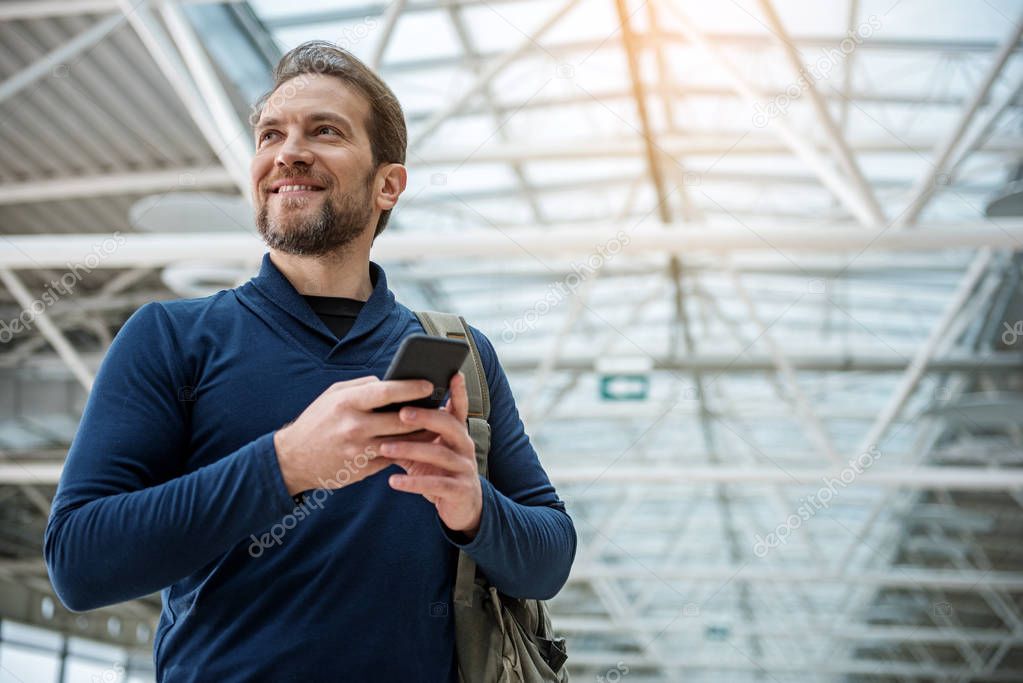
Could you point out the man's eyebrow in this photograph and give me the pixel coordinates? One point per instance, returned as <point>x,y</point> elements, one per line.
<point>315,117</point>
<point>264,123</point>
<point>331,117</point>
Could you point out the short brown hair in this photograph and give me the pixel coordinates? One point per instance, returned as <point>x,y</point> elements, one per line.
<point>388,135</point>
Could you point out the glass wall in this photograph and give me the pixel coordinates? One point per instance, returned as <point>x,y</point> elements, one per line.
<point>33,655</point>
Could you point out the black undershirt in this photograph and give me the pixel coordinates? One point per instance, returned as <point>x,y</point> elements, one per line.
<point>337,312</point>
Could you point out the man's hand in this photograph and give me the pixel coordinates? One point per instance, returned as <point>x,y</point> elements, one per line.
<point>444,469</point>
<point>336,440</point>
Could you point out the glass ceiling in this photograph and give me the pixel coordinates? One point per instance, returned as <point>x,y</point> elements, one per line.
<point>696,407</point>
<point>571,88</point>
<point>749,363</point>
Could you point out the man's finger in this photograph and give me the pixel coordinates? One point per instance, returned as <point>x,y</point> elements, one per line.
<point>376,394</point>
<point>417,436</point>
<point>437,455</point>
<point>459,397</point>
<point>450,428</point>
<point>387,425</point>
<point>427,485</point>
<point>366,379</point>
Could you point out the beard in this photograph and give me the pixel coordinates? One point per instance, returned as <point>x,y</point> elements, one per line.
<point>294,229</point>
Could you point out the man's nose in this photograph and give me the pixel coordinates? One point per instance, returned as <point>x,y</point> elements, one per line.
<point>293,152</point>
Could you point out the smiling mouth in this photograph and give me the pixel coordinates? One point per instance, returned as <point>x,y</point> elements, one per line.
<point>295,189</point>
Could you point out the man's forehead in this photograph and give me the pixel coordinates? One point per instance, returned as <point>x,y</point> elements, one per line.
<point>312,97</point>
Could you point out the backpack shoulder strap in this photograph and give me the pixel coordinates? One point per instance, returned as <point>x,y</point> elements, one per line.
<point>534,615</point>
<point>454,326</point>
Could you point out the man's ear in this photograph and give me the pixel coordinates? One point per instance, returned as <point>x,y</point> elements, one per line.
<point>391,179</point>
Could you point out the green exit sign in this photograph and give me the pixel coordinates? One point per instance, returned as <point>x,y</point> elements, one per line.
<point>624,387</point>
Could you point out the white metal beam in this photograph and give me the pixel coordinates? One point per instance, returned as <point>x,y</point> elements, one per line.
<point>775,665</point>
<point>919,478</point>
<point>687,91</point>
<point>137,182</point>
<point>157,249</point>
<point>214,176</point>
<point>816,629</point>
<point>911,578</point>
<point>711,144</point>
<point>915,478</point>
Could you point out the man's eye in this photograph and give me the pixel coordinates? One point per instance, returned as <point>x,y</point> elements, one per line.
<point>332,131</point>
<point>263,136</point>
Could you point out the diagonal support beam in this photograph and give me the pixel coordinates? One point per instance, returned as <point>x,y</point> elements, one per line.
<point>71,358</point>
<point>488,75</point>
<point>394,11</point>
<point>639,95</point>
<point>833,134</point>
<point>49,330</point>
<point>909,381</point>
<point>814,429</point>
<point>174,70</point>
<point>915,371</point>
<point>945,151</point>
<point>472,61</point>
<point>800,146</point>
<point>45,65</point>
<point>200,70</point>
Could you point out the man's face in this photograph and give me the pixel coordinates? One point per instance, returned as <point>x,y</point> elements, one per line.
<point>313,178</point>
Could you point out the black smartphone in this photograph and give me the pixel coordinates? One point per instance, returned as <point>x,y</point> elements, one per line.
<point>423,356</point>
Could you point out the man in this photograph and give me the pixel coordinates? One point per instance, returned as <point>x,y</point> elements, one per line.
<point>316,547</point>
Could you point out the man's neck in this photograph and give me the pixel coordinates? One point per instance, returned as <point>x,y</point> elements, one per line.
<point>344,275</point>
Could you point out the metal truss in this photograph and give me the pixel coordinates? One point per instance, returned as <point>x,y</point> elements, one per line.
<point>823,478</point>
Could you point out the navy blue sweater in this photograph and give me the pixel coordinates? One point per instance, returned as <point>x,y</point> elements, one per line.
<point>172,484</point>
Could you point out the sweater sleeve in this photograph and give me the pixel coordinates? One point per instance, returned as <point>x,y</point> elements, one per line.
<point>128,519</point>
<point>526,541</point>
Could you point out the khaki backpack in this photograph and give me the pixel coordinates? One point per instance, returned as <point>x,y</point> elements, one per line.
<point>498,639</point>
